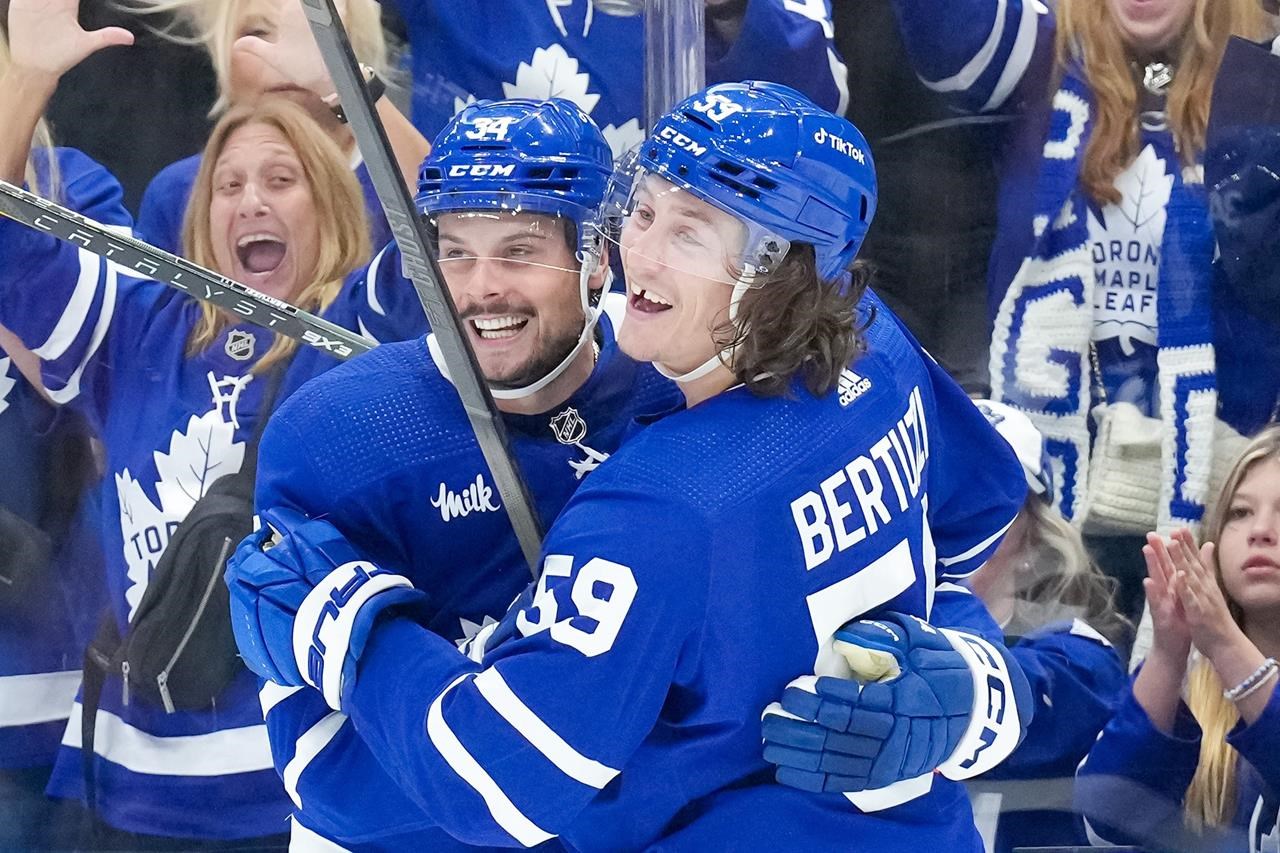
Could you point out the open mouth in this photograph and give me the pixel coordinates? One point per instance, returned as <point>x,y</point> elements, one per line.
<point>260,253</point>
<point>645,302</point>
<point>498,328</point>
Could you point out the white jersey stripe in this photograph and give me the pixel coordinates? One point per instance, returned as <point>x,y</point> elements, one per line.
<point>77,311</point>
<point>273,694</point>
<point>371,283</point>
<point>40,698</point>
<point>240,750</point>
<point>974,68</point>
<point>310,744</point>
<point>504,812</point>
<point>71,389</point>
<point>976,549</point>
<point>1020,55</point>
<point>568,760</point>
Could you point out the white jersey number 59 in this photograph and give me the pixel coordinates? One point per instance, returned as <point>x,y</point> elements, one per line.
<point>602,591</point>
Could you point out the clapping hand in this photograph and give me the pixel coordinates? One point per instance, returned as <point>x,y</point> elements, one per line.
<point>285,59</point>
<point>1204,606</point>
<point>1172,634</point>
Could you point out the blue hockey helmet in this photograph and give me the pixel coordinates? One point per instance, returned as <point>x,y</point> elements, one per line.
<point>519,155</point>
<point>768,155</point>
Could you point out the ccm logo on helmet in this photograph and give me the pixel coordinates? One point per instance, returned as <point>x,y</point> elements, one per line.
<point>482,170</point>
<point>679,140</point>
<point>846,148</point>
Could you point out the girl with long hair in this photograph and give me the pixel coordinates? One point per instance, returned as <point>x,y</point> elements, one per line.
<point>175,391</point>
<point>1192,758</point>
<point>263,48</point>
<point>1057,612</point>
<point>1100,283</point>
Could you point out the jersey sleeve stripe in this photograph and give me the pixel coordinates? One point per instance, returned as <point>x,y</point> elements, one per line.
<point>310,744</point>
<point>1024,46</point>
<point>76,313</point>
<point>371,283</point>
<point>273,694</point>
<point>568,760</point>
<point>71,388</point>
<point>976,549</point>
<point>504,812</point>
<point>963,79</point>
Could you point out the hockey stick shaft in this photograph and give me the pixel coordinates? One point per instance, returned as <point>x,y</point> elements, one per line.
<point>420,268</point>
<point>146,261</point>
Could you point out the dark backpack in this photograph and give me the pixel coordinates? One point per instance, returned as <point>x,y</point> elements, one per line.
<point>178,650</point>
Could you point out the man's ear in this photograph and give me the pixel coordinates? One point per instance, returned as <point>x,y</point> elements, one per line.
<point>601,274</point>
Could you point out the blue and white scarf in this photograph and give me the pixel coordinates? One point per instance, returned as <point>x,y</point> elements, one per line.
<point>1040,360</point>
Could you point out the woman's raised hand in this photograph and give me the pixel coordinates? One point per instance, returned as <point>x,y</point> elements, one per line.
<point>1172,634</point>
<point>288,58</point>
<point>1196,585</point>
<point>45,36</point>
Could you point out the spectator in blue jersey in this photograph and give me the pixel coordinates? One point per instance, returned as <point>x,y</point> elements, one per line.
<point>1100,276</point>
<point>50,568</point>
<point>174,389</point>
<point>1057,612</point>
<point>264,48</point>
<point>591,52</point>
<point>821,469</point>
<point>1203,773</point>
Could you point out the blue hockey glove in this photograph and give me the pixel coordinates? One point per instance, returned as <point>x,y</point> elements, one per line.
<point>303,603</point>
<point>834,734</point>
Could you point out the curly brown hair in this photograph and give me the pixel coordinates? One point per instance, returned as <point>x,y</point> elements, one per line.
<point>796,323</point>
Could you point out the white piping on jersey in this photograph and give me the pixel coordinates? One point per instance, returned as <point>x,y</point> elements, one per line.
<point>71,389</point>
<point>240,750</point>
<point>77,311</point>
<point>310,744</point>
<point>503,811</point>
<point>839,76</point>
<point>567,760</point>
<point>371,282</point>
<point>273,694</point>
<point>975,550</point>
<point>1024,46</point>
<point>38,698</point>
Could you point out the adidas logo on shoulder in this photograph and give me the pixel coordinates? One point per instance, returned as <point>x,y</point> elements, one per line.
<point>852,386</point>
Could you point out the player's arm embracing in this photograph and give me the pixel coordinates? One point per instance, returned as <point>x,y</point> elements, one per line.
<point>515,747</point>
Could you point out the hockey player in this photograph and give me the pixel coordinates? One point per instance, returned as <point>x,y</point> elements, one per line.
<point>705,564</point>
<point>175,390</point>
<point>589,51</point>
<point>513,190</point>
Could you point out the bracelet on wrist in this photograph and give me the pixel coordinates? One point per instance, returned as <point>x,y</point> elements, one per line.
<point>1254,682</point>
<point>372,83</point>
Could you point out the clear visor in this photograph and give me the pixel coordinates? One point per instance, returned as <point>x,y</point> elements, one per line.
<point>653,221</point>
<point>481,236</point>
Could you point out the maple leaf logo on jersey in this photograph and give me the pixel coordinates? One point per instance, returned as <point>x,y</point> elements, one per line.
<point>197,456</point>
<point>7,382</point>
<point>623,139</point>
<point>552,73</point>
<point>1126,244</point>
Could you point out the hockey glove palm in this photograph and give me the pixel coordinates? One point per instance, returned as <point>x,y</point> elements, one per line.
<point>303,603</point>
<point>834,734</point>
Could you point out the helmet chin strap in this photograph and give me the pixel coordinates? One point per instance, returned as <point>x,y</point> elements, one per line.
<point>724,357</point>
<point>588,264</point>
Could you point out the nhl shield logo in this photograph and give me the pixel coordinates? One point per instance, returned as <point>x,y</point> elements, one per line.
<point>240,345</point>
<point>569,427</point>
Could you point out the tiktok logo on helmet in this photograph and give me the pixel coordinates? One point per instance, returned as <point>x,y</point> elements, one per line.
<point>822,137</point>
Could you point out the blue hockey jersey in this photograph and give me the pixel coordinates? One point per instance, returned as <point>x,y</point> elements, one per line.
<point>1130,789</point>
<point>478,49</point>
<point>700,569</point>
<point>412,491</point>
<point>1077,680</point>
<point>164,205</point>
<point>114,347</point>
<point>43,634</point>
